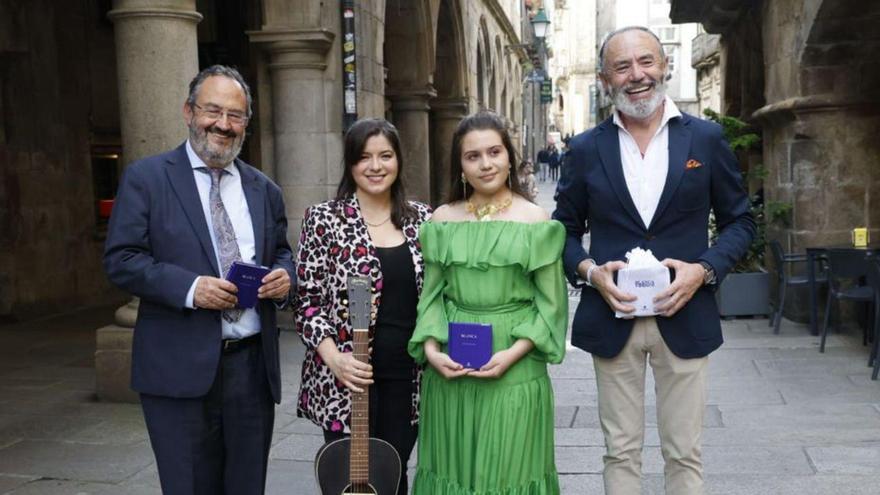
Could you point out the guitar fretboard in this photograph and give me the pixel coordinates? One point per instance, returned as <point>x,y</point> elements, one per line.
<point>360,417</point>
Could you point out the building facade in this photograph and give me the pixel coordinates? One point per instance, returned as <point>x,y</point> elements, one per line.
<point>573,66</point>
<point>804,73</point>
<point>706,59</point>
<point>87,87</point>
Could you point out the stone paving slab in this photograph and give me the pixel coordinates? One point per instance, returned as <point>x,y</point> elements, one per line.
<point>753,391</point>
<point>773,484</point>
<point>297,447</point>
<point>847,460</point>
<point>791,434</point>
<point>588,417</point>
<point>803,416</point>
<point>31,427</point>
<point>291,477</point>
<point>75,461</point>
<point>571,392</point>
<point>8,483</point>
<point>817,366</point>
<point>68,487</point>
<point>834,389</point>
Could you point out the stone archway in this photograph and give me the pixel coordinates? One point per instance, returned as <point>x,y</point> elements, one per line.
<point>820,126</point>
<point>409,61</point>
<point>451,103</point>
<point>833,153</point>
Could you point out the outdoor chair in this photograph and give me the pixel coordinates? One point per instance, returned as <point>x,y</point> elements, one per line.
<point>843,266</point>
<point>784,279</point>
<point>874,282</point>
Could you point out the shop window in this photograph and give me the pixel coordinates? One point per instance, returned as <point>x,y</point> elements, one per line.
<point>105,179</point>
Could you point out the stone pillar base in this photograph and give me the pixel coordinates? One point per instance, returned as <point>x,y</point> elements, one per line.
<point>113,364</point>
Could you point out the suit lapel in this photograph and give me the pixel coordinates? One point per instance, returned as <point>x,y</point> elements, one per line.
<point>609,153</point>
<point>180,174</point>
<point>255,200</point>
<point>679,147</point>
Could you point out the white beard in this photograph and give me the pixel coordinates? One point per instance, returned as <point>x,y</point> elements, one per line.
<point>640,109</point>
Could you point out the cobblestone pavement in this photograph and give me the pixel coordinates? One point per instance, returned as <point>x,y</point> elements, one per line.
<point>781,418</point>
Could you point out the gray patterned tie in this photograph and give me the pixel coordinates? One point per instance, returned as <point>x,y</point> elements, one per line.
<point>224,235</point>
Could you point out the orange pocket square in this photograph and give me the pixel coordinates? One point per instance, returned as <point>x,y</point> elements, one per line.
<point>692,164</point>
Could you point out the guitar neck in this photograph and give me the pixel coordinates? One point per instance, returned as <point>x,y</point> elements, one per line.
<point>360,416</point>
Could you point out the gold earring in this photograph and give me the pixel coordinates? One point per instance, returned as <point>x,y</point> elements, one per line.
<point>463,185</point>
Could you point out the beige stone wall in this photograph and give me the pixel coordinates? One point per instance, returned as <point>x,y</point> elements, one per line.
<point>820,123</point>
<point>783,33</point>
<point>58,96</point>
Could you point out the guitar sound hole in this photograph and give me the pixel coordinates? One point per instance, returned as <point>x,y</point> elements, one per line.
<point>359,490</point>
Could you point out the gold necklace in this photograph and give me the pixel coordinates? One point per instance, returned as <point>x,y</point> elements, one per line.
<point>383,222</point>
<point>486,211</point>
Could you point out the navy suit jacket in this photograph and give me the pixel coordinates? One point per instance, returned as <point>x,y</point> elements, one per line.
<point>158,242</point>
<point>593,196</point>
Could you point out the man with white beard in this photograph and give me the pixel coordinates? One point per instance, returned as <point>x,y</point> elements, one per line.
<point>647,177</point>
<point>206,369</point>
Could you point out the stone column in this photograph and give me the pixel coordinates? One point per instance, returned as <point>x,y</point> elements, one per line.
<point>445,116</point>
<point>307,137</point>
<point>156,57</point>
<point>410,111</point>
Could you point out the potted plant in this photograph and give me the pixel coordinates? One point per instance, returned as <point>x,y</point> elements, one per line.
<point>745,291</point>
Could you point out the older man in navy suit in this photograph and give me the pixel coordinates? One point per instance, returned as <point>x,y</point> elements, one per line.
<point>207,371</point>
<point>648,177</point>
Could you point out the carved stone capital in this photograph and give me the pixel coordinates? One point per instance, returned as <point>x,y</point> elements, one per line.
<point>449,108</point>
<point>411,99</point>
<point>295,48</point>
<point>127,9</point>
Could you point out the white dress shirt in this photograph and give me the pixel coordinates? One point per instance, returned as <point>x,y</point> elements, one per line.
<point>236,207</point>
<point>646,175</point>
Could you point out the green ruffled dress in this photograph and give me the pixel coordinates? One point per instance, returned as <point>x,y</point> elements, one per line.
<point>485,436</point>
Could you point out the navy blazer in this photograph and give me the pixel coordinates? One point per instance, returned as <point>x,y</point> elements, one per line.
<point>158,242</point>
<point>593,196</point>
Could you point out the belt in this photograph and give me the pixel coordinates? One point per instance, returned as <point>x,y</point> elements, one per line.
<point>231,345</point>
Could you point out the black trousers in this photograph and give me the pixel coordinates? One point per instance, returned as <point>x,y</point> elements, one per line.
<point>390,414</point>
<point>219,443</point>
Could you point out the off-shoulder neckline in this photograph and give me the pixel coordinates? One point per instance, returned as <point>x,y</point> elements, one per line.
<point>484,222</point>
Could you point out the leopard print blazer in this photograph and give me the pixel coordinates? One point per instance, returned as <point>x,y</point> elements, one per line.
<point>334,244</point>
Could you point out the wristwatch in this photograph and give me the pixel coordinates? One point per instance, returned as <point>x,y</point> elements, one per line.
<point>708,273</point>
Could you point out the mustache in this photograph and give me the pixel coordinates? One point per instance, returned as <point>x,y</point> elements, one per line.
<point>650,83</point>
<point>222,132</point>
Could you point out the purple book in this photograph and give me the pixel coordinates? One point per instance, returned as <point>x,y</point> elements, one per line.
<point>470,344</point>
<point>248,278</point>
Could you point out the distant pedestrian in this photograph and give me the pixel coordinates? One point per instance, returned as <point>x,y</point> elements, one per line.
<point>647,177</point>
<point>543,161</point>
<point>554,164</point>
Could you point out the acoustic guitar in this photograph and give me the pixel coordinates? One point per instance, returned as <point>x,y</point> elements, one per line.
<point>358,465</point>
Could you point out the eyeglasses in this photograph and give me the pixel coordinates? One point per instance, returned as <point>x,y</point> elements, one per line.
<point>216,113</point>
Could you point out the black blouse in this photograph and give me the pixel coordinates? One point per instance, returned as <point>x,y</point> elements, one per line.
<point>397,314</point>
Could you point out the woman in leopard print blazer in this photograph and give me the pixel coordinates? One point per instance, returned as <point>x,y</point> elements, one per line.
<point>368,229</point>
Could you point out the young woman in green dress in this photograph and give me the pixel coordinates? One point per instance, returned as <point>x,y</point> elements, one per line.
<point>491,256</point>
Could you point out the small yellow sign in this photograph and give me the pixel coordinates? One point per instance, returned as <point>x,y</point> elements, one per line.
<point>860,237</point>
